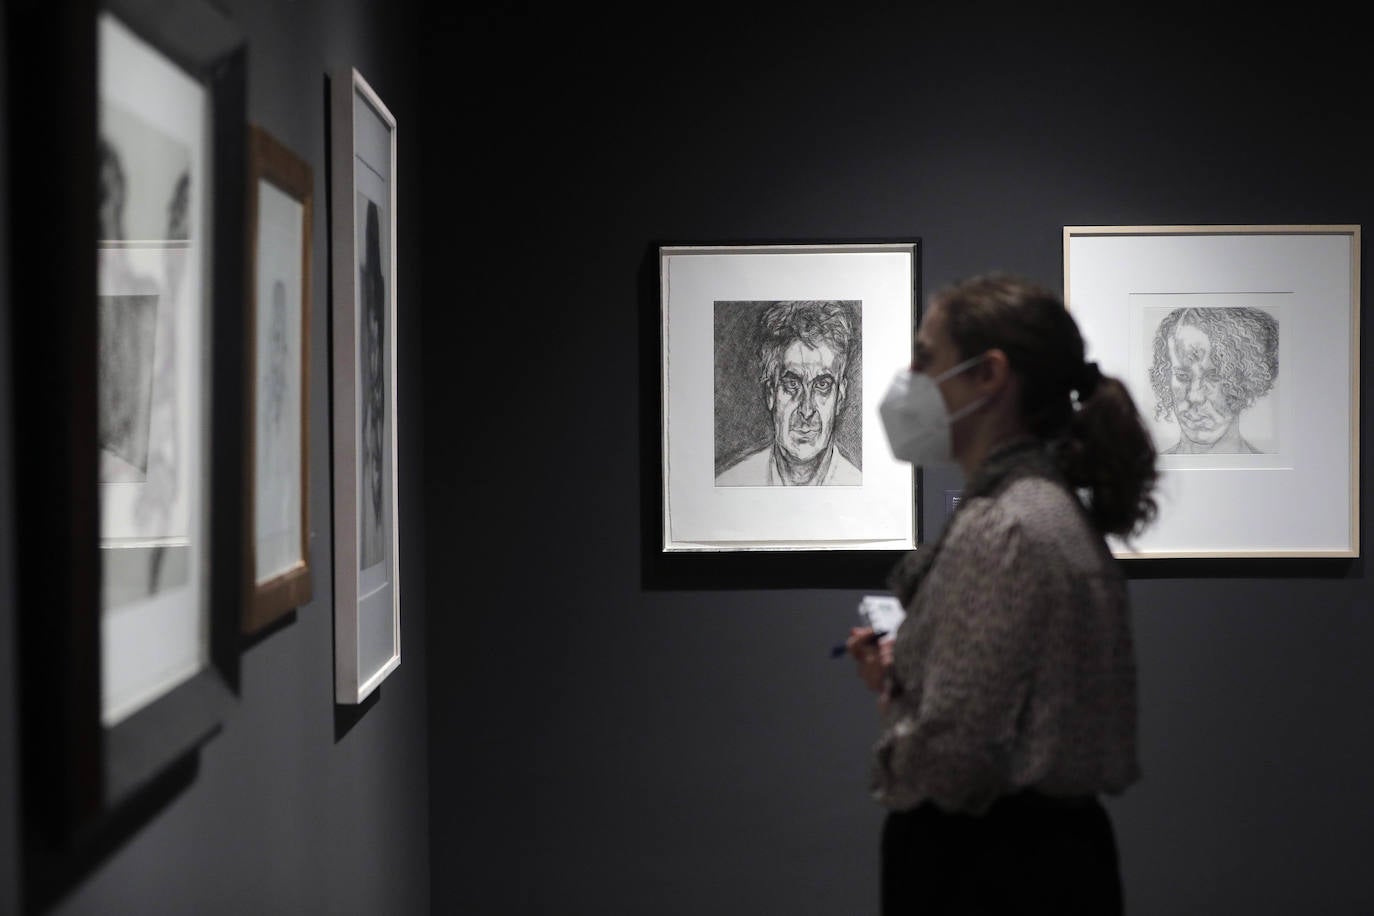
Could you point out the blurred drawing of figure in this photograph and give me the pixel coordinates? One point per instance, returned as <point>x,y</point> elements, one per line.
<point>138,382</point>
<point>276,472</point>
<point>276,359</point>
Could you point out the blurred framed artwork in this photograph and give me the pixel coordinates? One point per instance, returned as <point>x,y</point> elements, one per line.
<point>774,358</point>
<point>1240,346</point>
<point>367,602</point>
<point>168,357</point>
<point>132,381</point>
<point>280,213</point>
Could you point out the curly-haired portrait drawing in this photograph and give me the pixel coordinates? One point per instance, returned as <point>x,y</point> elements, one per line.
<point>1208,368</point>
<point>372,296</point>
<point>787,393</point>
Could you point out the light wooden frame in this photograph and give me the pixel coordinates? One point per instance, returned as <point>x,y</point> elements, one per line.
<point>1313,268</point>
<point>270,161</point>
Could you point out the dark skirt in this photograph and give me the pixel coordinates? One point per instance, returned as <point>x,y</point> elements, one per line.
<point>1027,854</point>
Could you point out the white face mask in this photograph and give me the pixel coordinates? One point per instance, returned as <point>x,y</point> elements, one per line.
<point>916,419</point>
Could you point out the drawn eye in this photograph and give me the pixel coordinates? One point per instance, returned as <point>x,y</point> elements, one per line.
<point>790,385</point>
<point>1181,377</point>
<point>823,385</point>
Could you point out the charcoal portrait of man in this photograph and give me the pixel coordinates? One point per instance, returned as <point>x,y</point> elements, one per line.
<point>789,422</point>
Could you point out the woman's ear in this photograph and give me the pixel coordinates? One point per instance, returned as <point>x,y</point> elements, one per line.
<point>994,370</point>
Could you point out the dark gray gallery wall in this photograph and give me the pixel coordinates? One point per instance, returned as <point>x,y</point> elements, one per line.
<point>292,810</point>
<point>9,826</point>
<point>630,747</point>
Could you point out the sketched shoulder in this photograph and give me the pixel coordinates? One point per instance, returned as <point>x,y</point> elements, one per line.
<point>756,470</point>
<point>843,472</point>
<point>753,470</point>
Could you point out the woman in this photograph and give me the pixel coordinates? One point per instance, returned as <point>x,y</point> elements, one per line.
<point>1008,694</point>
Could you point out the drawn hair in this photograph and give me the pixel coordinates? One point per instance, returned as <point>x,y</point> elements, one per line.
<point>1244,352</point>
<point>374,291</point>
<point>812,323</point>
<point>1098,438</point>
<point>113,191</point>
<point>179,208</point>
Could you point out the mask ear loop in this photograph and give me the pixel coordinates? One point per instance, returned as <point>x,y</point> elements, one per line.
<point>967,409</point>
<point>955,370</point>
<point>973,405</point>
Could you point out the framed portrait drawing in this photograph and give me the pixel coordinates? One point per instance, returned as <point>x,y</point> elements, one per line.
<point>169,345</point>
<point>1240,347</point>
<point>277,525</point>
<point>132,382</point>
<point>367,603</point>
<point>773,360</point>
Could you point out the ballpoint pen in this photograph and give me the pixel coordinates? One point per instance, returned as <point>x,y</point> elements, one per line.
<point>841,649</point>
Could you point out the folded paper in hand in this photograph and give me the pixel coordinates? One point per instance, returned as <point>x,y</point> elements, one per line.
<point>882,613</point>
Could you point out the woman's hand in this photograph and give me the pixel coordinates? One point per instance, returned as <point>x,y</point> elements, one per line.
<point>873,658</point>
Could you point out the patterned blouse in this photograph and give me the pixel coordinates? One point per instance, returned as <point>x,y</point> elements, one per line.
<point>1014,667</point>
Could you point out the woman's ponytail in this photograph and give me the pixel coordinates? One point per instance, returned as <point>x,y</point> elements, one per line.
<point>1107,454</point>
<point>1088,418</point>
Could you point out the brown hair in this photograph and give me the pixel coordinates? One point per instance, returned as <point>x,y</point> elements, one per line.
<point>1100,443</point>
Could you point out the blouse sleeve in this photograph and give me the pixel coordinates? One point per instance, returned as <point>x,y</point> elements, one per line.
<point>967,668</point>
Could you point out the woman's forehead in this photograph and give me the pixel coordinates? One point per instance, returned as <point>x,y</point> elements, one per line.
<point>932,330</point>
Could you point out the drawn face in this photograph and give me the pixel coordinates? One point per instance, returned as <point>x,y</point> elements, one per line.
<point>375,380</point>
<point>1199,397</point>
<point>804,399</point>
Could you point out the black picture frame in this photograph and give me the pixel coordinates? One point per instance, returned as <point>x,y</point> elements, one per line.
<point>86,785</point>
<point>799,566</point>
